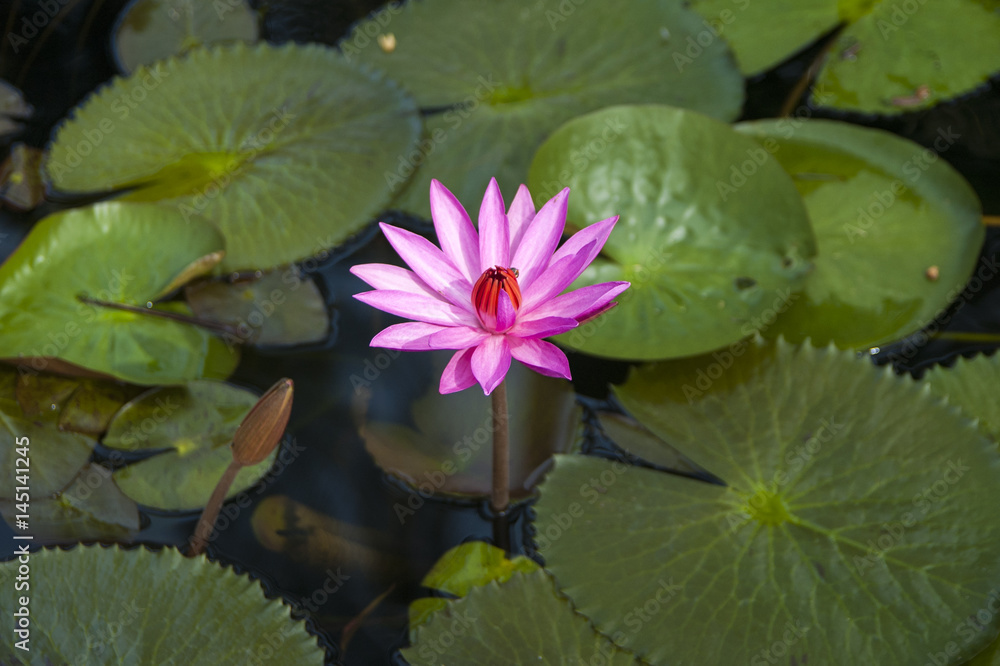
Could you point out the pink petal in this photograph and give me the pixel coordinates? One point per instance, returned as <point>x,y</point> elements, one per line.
<point>455,232</point>
<point>542,357</point>
<point>421,308</point>
<point>579,303</point>
<point>412,336</point>
<point>457,375</point>
<point>506,314</point>
<point>430,264</point>
<point>519,216</point>
<point>597,232</point>
<point>397,278</point>
<point>559,275</point>
<point>458,337</point>
<point>540,239</point>
<point>490,362</point>
<point>494,230</point>
<point>543,327</point>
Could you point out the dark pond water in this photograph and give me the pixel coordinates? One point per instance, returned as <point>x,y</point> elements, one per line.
<point>329,470</point>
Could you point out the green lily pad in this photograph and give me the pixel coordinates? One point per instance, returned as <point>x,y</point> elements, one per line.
<point>279,308</point>
<point>282,148</point>
<point>706,265</point>
<point>898,230</point>
<point>191,426</point>
<point>859,517</point>
<point>449,450</point>
<point>988,657</point>
<point>498,80</point>
<point>150,607</point>
<point>971,384</point>
<point>91,508</point>
<point>150,30</point>
<point>12,106</point>
<point>98,252</point>
<point>637,440</point>
<point>523,621</point>
<point>82,405</point>
<point>891,57</point>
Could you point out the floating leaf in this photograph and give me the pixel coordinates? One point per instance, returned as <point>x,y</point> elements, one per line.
<point>971,384</point>
<point>150,30</point>
<point>192,426</point>
<point>280,308</point>
<point>12,105</point>
<point>705,265</point>
<point>97,252</point>
<point>21,184</point>
<point>449,451</point>
<point>496,81</point>
<point>637,440</point>
<point>151,607</point>
<point>285,158</point>
<point>885,211</point>
<point>859,517</point>
<point>524,621</point>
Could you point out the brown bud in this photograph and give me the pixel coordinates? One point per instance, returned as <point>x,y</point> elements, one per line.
<point>264,424</point>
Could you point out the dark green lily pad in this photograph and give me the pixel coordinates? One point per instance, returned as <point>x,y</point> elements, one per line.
<point>859,517</point>
<point>898,230</point>
<point>12,107</point>
<point>706,265</point>
<point>150,30</point>
<point>637,440</point>
<point>500,78</point>
<point>97,252</point>
<point>449,451</point>
<point>151,607</point>
<point>191,426</point>
<point>891,57</point>
<point>286,158</point>
<point>523,621</point>
<point>82,405</point>
<point>971,385</point>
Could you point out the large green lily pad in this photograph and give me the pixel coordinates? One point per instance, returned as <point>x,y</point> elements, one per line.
<point>891,57</point>
<point>110,605</point>
<point>497,79</point>
<point>971,385</point>
<point>859,517</point>
<point>706,265</point>
<point>282,148</point>
<point>105,252</point>
<point>191,426</point>
<point>523,621</point>
<point>899,231</point>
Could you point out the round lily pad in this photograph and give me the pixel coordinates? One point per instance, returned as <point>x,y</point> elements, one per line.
<point>859,517</point>
<point>496,80</point>
<point>282,148</point>
<point>898,230</point>
<point>191,426</point>
<point>150,607</point>
<point>706,263</point>
<point>971,384</point>
<point>104,253</point>
<point>150,30</point>
<point>523,621</point>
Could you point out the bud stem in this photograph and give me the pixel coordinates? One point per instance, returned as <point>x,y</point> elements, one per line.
<point>501,459</point>
<point>211,512</point>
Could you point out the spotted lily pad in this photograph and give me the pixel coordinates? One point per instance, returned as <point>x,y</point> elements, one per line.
<point>706,265</point>
<point>191,427</point>
<point>523,621</point>
<point>971,385</point>
<point>150,607</point>
<point>104,253</point>
<point>497,79</point>
<point>150,30</point>
<point>859,517</point>
<point>898,230</point>
<point>282,148</point>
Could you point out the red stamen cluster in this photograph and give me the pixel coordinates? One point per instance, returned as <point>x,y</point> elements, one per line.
<point>486,292</point>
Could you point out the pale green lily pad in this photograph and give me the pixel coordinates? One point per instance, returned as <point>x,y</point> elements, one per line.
<point>108,605</point>
<point>193,426</point>
<point>705,265</point>
<point>523,621</point>
<point>99,252</point>
<point>898,234</point>
<point>282,148</point>
<point>971,384</point>
<point>449,450</point>
<point>280,308</point>
<point>859,518</point>
<point>150,30</point>
<point>92,507</point>
<point>499,78</point>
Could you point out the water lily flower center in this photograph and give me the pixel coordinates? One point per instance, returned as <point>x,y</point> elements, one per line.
<point>486,294</point>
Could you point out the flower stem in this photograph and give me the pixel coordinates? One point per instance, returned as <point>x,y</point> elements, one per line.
<point>211,512</point>
<point>500,499</point>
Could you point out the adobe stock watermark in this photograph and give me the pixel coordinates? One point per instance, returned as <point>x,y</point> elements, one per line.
<point>778,652</point>
<point>105,638</point>
<point>367,32</point>
<point>901,14</point>
<point>432,650</point>
<point>332,584</point>
<point>580,157</point>
<point>695,45</point>
<point>32,25</point>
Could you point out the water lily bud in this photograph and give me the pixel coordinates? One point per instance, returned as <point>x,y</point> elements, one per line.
<point>264,424</point>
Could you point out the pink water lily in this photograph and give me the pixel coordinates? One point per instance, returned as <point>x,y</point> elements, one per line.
<point>491,295</point>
